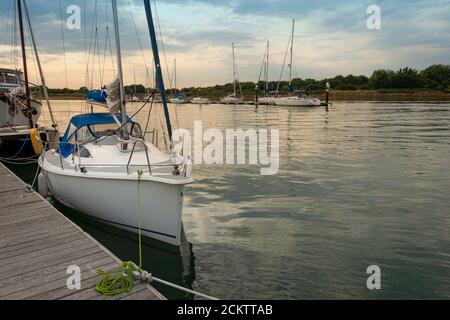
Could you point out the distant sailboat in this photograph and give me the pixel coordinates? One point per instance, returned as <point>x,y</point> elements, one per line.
<point>200,100</point>
<point>103,162</point>
<point>178,97</point>
<point>268,98</point>
<point>299,98</point>
<point>233,98</point>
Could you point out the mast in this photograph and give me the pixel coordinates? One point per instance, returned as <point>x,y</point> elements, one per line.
<point>175,66</point>
<point>292,56</point>
<point>123,108</point>
<point>135,85</point>
<point>267,68</point>
<point>25,68</point>
<point>234,70</point>
<point>38,62</point>
<point>158,69</point>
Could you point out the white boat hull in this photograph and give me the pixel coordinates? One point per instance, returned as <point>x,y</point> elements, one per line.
<point>115,201</point>
<point>297,102</point>
<point>266,100</point>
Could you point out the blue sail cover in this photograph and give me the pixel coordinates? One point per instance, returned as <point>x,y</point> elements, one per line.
<point>96,95</point>
<point>83,120</point>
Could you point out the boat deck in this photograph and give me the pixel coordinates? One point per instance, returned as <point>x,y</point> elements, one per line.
<point>38,244</point>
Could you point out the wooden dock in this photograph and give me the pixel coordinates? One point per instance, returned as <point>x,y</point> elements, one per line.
<point>38,244</point>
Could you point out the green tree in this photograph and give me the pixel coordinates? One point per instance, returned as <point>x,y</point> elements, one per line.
<point>436,76</point>
<point>407,78</point>
<point>382,79</point>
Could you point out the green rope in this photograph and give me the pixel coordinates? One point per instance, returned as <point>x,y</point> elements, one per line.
<point>125,282</point>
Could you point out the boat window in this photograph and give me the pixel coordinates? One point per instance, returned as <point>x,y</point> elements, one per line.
<point>84,152</point>
<point>136,130</point>
<point>102,130</point>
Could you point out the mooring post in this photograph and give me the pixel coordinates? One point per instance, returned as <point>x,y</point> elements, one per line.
<point>327,96</point>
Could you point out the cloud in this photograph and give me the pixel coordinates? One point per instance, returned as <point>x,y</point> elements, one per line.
<point>331,35</point>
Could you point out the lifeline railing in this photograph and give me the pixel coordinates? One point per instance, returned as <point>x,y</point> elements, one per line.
<point>146,154</point>
<point>149,165</point>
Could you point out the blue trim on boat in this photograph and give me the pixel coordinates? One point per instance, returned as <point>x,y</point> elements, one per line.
<point>136,228</point>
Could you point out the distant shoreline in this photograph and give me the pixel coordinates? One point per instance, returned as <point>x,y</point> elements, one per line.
<point>347,95</point>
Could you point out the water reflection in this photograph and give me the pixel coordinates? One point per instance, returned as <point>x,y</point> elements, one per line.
<point>361,184</point>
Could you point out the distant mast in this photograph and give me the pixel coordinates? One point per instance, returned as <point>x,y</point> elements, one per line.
<point>158,69</point>
<point>267,68</point>
<point>292,57</point>
<point>123,108</point>
<point>234,71</point>
<point>25,68</point>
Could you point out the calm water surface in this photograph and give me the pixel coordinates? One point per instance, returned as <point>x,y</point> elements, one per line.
<point>362,184</point>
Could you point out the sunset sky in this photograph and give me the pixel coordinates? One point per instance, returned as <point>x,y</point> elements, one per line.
<point>331,37</point>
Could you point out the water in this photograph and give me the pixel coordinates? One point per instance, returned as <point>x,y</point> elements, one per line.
<point>362,184</point>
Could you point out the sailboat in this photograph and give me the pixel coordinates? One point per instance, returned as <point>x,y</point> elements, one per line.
<point>104,163</point>
<point>178,97</point>
<point>201,100</point>
<point>19,111</point>
<point>232,98</point>
<point>268,98</point>
<point>299,98</point>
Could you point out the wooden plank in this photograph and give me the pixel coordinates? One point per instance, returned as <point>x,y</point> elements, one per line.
<point>29,264</point>
<point>23,208</point>
<point>58,272</point>
<point>88,282</point>
<point>23,237</point>
<point>37,244</point>
<point>57,287</point>
<point>48,243</point>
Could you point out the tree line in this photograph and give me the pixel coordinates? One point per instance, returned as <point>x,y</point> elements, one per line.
<point>435,77</point>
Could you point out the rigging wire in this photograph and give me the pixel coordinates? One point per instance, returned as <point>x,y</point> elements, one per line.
<point>88,80</point>
<point>138,37</point>
<point>284,64</point>
<point>158,24</point>
<point>65,59</point>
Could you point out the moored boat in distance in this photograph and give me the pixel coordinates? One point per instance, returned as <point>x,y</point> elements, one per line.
<point>296,98</point>
<point>267,100</point>
<point>200,100</point>
<point>231,99</point>
<point>299,100</point>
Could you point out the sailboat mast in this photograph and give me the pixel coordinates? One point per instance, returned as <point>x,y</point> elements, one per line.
<point>158,69</point>
<point>135,85</point>
<point>175,66</point>
<point>24,59</point>
<point>38,62</point>
<point>267,67</point>
<point>292,54</point>
<point>234,70</point>
<point>123,108</point>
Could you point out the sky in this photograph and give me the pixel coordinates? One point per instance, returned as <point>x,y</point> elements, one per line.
<point>331,37</point>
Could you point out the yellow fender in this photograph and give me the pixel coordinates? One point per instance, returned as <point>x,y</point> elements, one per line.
<point>36,141</point>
